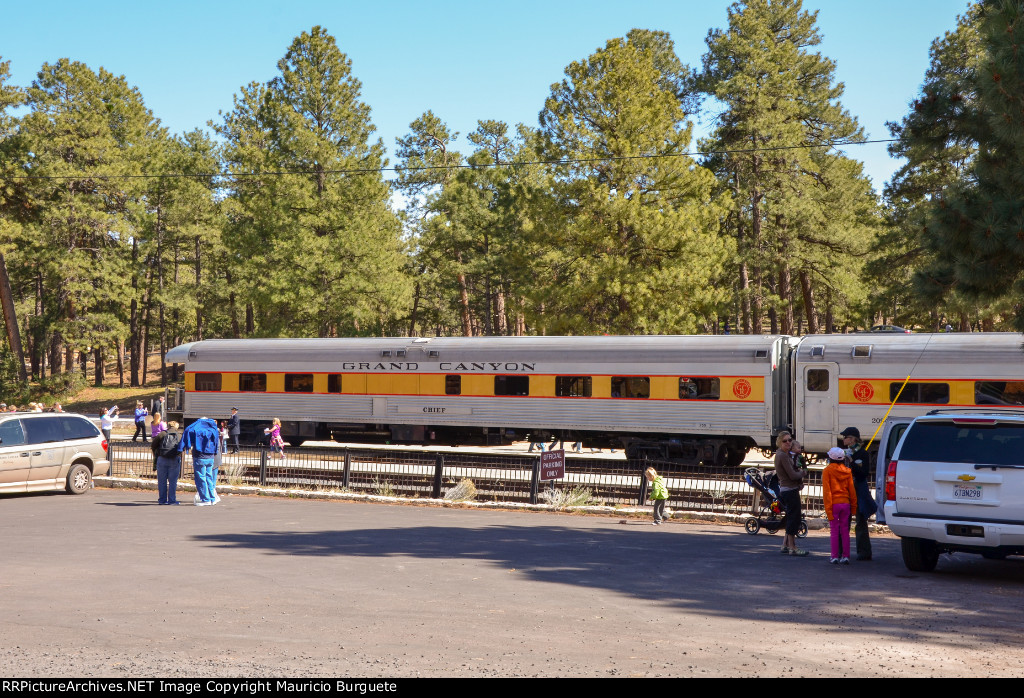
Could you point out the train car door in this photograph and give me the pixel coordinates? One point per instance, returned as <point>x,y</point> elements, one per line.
<point>820,393</point>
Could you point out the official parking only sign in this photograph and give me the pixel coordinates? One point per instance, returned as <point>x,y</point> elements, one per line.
<point>552,465</point>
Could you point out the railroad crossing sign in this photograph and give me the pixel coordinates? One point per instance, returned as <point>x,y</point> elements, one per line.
<point>552,465</point>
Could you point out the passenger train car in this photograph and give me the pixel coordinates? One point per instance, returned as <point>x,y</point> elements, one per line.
<point>706,398</point>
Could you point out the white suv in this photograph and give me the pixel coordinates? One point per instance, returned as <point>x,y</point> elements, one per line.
<point>956,484</point>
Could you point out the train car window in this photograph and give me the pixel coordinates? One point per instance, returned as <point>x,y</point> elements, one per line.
<point>573,386</point>
<point>920,393</point>
<point>512,385</point>
<point>298,382</point>
<point>999,392</point>
<point>631,386</point>
<point>453,385</point>
<point>334,382</point>
<point>817,380</point>
<point>252,382</point>
<point>208,381</point>
<point>699,388</point>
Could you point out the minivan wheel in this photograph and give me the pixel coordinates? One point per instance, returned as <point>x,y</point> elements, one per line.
<point>919,555</point>
<point>79,479</point>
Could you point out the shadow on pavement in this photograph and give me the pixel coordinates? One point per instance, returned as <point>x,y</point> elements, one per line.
<point>727,574</point>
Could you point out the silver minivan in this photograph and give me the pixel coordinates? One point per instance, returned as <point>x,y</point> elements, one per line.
<point>46,451</point>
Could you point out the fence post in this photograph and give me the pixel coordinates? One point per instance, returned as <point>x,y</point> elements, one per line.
<point>263,467</point>
<point>643,486</point>
<point>535,481</point>
<point>346,475</point>
<point>110,455</point>
<point>438,472</point>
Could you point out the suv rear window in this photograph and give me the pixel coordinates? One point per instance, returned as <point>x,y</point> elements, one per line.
<point>995,444</point>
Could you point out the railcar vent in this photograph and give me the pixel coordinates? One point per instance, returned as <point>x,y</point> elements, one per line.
<point>760,353</point>
<point>386,352</point>
<point>862,351</point>
<point>818,350</point>
<point>400,353</point>
<point>433,354</point>
<point>193,354</point>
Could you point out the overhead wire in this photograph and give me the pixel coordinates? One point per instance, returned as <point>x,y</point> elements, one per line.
<point>457,166</point>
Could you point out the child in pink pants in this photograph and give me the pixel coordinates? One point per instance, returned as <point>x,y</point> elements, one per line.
<point>840,502</point>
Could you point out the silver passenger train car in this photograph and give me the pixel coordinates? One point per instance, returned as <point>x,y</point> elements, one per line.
<point>707,398</point>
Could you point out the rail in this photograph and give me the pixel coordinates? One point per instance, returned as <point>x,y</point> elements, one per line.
<point>496,477</point>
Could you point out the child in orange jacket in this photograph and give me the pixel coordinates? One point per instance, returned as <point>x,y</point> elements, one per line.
<point>840,502</point>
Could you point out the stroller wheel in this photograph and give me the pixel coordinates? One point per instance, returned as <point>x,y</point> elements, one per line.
<point>801,531</point>
<point>752,526</point>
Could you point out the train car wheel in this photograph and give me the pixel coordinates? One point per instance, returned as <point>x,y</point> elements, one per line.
<point>752,526</point>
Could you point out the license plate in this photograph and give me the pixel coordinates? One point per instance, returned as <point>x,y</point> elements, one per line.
<point>967,492</point>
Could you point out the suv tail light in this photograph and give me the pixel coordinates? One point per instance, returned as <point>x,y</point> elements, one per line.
<point>105,446</point>
<point>890,482</point>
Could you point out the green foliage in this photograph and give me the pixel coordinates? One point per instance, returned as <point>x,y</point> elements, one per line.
<point>974,231</point>
<point>798,214</point>
<point>630,242</point>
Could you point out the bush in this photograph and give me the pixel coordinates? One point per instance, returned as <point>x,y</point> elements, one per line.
<point>565,498</point>
<point>462,492</point>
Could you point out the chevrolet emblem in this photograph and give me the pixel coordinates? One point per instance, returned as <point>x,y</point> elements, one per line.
<point>965,477</point>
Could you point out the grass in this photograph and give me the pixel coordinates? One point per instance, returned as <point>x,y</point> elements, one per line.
<point>568,497</point>
<point>462,492</point>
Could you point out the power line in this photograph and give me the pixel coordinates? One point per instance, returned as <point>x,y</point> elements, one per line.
<point>462,166</point>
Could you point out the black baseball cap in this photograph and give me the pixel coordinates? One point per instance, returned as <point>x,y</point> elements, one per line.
<point>850,431</point>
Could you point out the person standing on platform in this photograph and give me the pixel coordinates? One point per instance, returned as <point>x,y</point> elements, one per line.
<point>203,438</point>
<point>234,429</point>
<point>860,465</point>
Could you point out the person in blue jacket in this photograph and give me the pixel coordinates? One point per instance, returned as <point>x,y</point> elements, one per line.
<point>203,438</point>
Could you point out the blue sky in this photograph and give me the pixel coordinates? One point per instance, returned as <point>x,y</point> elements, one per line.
<point>463,60</point>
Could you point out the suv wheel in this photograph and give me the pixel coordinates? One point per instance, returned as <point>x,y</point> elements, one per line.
<point>79,479</point>
<point>919,555</point>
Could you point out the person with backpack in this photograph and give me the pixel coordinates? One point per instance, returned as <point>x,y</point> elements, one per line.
<point>168,463</point>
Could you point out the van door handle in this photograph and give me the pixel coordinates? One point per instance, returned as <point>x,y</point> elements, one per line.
<point>38,453</point>
<point>24,455</point>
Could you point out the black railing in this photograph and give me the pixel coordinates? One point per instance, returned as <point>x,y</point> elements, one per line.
<point>496,477</point>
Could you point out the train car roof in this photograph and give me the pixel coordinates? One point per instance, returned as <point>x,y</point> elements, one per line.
<point>980,347</point>
<point>725,348</point>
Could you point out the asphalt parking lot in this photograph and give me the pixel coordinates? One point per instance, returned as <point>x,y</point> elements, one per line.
<point>109,584</point>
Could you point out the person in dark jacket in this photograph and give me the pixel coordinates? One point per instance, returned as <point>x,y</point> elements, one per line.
<point>168,467</point>
<point>860,465</point>
<point>234,429</point>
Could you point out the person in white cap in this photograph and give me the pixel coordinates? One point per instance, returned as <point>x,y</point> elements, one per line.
<point>840,502</point>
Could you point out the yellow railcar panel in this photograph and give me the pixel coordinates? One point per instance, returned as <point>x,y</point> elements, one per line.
<point>392,384</point>
<point>353,383</point>
<point>601,386</point>
<point>664,388</point>
<point>477,385</point>
<point>432,384</point>
<point>275,382</point>
<point>743,388</point>
<point>190,381</point>
<point>542,386</point>
<point>229,382</point>
<point>961,392</point>
<point>319,382</point>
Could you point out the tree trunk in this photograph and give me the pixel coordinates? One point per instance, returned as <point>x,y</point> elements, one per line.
<point>810,310</point>
<point>98,368</point>
<point>11,320</point>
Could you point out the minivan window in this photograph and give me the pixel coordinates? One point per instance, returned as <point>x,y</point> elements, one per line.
<point>11,433</point>
<point>983,444</point>
<point>78,428</point>
<point>43,430</point>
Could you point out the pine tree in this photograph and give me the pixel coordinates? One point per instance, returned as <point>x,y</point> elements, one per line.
<point>773,155</point>
<point>974,232</point>
<point>630,234</point>
<point>329,258</point>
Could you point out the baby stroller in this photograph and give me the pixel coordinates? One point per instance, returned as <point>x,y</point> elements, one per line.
<point>772,514</point>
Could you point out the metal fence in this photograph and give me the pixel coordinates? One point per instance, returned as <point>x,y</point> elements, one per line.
<point>496,477</point>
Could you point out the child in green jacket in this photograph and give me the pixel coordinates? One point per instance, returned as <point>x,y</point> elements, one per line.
<point>659,494</point>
